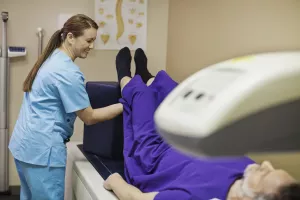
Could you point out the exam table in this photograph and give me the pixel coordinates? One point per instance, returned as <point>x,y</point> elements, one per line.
<point>91,162</point>
<point>83,182</point>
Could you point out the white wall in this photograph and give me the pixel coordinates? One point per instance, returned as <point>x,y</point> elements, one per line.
<point>204,32</point>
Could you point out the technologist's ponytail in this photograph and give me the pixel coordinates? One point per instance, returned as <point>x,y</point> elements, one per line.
<point>55,42</point>
<point>75,25</point>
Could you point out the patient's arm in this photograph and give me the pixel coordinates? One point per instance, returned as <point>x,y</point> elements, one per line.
<point>124,191</point>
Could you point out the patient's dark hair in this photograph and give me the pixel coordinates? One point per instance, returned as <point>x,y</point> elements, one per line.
<point>287,192</point>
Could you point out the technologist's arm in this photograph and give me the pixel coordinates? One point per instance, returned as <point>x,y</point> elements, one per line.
<point>92,116</point>
<point>124,191</point>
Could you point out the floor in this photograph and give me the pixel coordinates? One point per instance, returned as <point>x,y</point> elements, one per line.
<point>13,197</point>
<point>14,192</point>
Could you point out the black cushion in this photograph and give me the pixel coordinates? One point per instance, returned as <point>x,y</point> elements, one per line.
<point>104,139</point>
<point>104,166</point>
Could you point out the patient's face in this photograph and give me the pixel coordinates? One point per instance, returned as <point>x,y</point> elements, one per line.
<point>264,179</point>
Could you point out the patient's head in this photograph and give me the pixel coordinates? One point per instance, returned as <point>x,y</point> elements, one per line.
<point>286,192</point>
<point>263,182</point>
<point>264,179</point>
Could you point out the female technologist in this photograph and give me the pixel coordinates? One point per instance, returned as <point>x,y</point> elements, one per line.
<point>54,94</point>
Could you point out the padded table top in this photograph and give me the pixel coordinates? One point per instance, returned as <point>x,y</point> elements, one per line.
<point>104,166</point>
<point>91,181</point>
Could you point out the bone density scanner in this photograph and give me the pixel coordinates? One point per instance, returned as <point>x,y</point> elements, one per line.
<point>242,105</point>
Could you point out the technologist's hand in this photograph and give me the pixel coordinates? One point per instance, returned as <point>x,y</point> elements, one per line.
<point>111,180</point>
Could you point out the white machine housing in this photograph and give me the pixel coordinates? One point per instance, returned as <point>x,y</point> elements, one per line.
<point>222,94</point>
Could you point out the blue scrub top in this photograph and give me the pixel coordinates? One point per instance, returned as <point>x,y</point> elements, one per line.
<point>47,113</point>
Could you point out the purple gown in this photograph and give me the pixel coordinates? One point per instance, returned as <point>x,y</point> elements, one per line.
<point>153,166</point>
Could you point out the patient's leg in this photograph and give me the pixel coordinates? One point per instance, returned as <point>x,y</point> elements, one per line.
<point>129,88</point>
<point>141,62</point>
<point>148,158</point>
<point>162,83</point>
<point>123,60</point>
<point>150,81</point>
<point>142,145</point>
<point>124,81</point>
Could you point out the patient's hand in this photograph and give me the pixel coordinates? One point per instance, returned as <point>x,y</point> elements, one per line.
<point>111,180</point>
<point>124,191</point>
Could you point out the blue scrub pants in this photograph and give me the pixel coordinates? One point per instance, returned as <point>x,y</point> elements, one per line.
<point>41,183</point>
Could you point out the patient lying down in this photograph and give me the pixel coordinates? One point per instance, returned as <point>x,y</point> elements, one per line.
<point>154,170</point>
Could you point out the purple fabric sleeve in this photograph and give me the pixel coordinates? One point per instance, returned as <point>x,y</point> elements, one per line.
<point>173,194</point>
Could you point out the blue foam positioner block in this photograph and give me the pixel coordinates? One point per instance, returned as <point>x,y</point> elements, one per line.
<point>104,139</point>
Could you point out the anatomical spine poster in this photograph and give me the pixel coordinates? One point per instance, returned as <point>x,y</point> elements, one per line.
<point>121,23</point>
